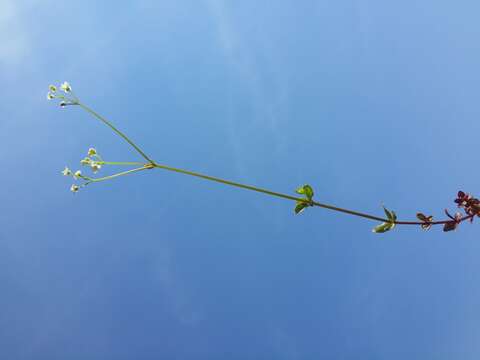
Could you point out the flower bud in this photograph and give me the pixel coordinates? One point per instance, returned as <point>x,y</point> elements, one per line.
<point>86,161</point>
<point>95,167</point>
<point>66,87</point>
<point>66,171</point>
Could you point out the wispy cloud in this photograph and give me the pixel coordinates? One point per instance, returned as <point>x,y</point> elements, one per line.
<point>268,98</point>
<point>14,40</point>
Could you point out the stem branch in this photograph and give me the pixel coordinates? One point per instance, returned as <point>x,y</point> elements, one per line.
<point>119,163</point>
<point>152,164</point>
<point>92,180</point>
<point>294,198</point>
<point>118,132</point>
<point>268,192</point>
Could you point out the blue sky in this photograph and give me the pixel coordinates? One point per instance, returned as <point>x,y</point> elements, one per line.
<point>370,102</point>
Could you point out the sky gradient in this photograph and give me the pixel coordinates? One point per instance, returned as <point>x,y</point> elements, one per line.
<point>371,102</point>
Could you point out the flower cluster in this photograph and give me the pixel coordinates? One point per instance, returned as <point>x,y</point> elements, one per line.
<point>93,160</point>
<point>66,95</point>
<point>468,203</point>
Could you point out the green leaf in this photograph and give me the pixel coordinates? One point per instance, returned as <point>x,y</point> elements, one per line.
<point>390,214</point>
<point>300,190</point>
<point>388,225</point>
<point>300,206</point>
<point>383,227</point>
<point>394,217</point>
<point>306,190</point>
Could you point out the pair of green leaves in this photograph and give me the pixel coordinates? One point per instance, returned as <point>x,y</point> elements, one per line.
<point>388,225</point>
<point>307,191</point>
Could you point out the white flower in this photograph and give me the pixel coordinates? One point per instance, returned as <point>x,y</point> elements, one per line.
<point>74,188</point>
<point>78,174</point>
<point>66,87</point>
<point>50,96</point>
<point>66,171</point>
<point>52,88</point>
<point>95,167</point>
<point>92,152</point>
<point>86,161</point>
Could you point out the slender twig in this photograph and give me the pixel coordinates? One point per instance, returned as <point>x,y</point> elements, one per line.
<point>294,198</point>
<point>126,163</point>
<point>239,185</point>
<point>268,192</point>
<point>110,125</point>
<point>442,222</point>
<point>92,180</point>
<point>301,201</point>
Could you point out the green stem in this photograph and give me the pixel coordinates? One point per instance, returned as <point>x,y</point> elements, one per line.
<point>151,164</point>
<point>92,180</point>
<point>118,132</point>
<point>119,163</point>
<point>268,192</point>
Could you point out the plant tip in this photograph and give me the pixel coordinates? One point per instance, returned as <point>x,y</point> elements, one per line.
<point>95,167</point>
<point>66,87</point>
<point>66,171</point>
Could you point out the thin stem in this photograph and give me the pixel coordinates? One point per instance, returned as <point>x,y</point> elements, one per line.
<point>294,198</point>
<point>350,212</point>
<point>152,164</point>
<point>119,163</point>
<point>118,132</point>
<point>268,192</point>
<point>442,222</point>
<point>92,180</point>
